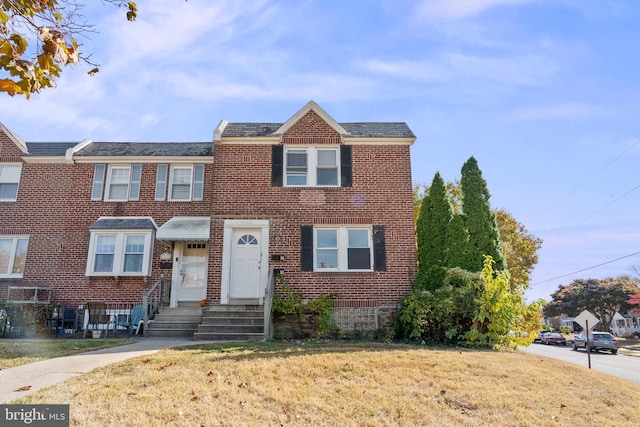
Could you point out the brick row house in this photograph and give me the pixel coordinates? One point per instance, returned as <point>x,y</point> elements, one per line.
<point>328,204</point>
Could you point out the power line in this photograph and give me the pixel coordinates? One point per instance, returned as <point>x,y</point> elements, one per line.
<point>588,268</point>
<point>599,210</point>
<point>579,186</point>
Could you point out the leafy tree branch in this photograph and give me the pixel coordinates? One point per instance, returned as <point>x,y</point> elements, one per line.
<point>39,37</point>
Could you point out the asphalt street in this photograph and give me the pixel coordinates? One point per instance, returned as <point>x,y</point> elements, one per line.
<point>625,365</point>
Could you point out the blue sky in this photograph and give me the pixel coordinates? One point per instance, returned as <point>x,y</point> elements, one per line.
<point>543,93</point>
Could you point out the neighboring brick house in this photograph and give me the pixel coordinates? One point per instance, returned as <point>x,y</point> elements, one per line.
<point>329,204</point>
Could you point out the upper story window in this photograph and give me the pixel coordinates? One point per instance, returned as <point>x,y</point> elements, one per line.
<point>13,254</point>
<point>314,166</point>
<point>122,182</point>
<point>118,251</point>
<point>9,180</point>
<point>185,182</point>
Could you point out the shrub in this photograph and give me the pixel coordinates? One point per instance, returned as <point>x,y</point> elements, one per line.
<point>565,330</point>
<point>293,304</point>
<point>442,315</point>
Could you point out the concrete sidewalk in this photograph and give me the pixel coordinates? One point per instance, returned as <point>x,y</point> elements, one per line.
<point>42,374</point>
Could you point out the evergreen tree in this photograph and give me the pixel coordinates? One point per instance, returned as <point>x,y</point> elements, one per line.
<point>457,244</point>
<point>479,220</point>
<point>432,225</point>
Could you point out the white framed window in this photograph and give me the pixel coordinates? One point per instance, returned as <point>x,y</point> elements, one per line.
<point>13,254</point>
<point>343,249</point>
<point>119,253</point>
<point>118,183</point>
<point>9,181</point>
<point>186,183</point>
<point>312,166</point>
<point>122,182</point>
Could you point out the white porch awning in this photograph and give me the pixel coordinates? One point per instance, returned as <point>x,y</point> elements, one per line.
<point>185,228</point>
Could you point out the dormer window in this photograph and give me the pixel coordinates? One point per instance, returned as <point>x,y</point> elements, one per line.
<point>313,166</point>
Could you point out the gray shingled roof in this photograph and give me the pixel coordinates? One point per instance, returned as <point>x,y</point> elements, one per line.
<point>367,129</point>
<point>379,130</point>
<point>49,148</point>
<point>99,149</point>
<point>251,129</point>
<point>123,224</point>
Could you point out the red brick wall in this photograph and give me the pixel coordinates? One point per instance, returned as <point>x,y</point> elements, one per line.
<point>381,195</point>
<point>54,207</point>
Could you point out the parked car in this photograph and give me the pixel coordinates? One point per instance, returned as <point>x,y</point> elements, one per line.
<point>553,338</point>
<point>540,336</point>
<point>597,341</point>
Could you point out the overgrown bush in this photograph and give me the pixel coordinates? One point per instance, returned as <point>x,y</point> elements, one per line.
<point>442,315</point>
<point>293,304</point>
<point>503,320</point>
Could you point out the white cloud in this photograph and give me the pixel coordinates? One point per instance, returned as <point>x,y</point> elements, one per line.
<point>529,69</point>
<point>567,110</point>
<point>435,10</point>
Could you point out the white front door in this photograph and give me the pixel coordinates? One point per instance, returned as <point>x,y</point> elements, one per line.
<point>246,254</point>
<point>192,269</point>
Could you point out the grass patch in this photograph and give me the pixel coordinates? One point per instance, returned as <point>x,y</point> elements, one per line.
<point>15,352</point>
<point>343,383</point>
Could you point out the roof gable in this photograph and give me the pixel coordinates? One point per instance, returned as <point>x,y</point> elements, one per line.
<point>311,124</point>
<point>312,106</point>
<point>14,138</point>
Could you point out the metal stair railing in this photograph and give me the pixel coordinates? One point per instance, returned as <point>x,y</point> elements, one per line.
<point>154,298</point>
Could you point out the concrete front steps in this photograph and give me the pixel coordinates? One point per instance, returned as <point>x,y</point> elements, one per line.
<point>181,321</point>
<point>243,322</point>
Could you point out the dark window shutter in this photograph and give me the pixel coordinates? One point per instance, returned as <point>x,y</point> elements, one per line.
<point>345,166</point>
<point>379,249</point>
<point>306,248</point>
<point>277,164</point>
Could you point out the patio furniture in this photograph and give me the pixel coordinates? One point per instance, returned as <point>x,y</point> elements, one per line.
<point>62,320</point>
<point>98,316</point>
<point>136,319</point>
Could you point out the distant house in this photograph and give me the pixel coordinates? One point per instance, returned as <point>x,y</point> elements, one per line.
<point>622,325</point>
<point>625,325</point>
<point>328,204</point>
